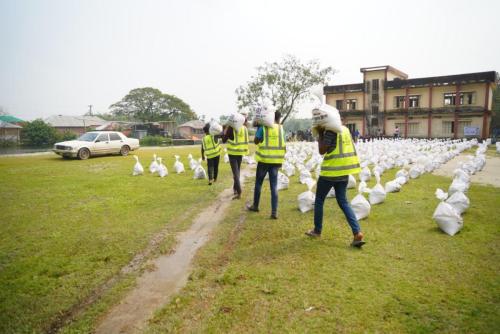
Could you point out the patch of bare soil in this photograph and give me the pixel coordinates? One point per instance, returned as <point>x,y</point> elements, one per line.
<point>169,273</point>
<point>490,174</point>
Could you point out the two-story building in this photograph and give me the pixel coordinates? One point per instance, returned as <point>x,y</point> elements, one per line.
<point>431,107</point>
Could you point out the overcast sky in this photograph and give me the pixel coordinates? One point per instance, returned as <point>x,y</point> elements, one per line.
<point>57,57</point>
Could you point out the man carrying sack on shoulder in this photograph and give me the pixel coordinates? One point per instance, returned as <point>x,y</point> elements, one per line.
<point>270,154</point>
<point>237,146</point>
<point>339,161</point>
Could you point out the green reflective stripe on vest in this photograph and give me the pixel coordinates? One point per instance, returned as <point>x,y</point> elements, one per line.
<point>272,149</point>
<point>239,145</point>
<point>343,160</point>
<point>210,147</point>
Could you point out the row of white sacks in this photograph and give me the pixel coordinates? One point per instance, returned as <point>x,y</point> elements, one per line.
<point>416,157</point>
<point>448,214</point>
<point>157,167</point>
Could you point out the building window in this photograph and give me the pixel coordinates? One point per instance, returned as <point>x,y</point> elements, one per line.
<point>462,125</point>
<point>413,101</point>
<point>448,127</point>
<point>413,129</point>
<point>449,99</point>
<point>375,85</point>
<point>374,110</point>
<point>399,102</point>
<point>367,87</point>
<point>351,104</point>
<point>375,97</point>
<point>339,104</point>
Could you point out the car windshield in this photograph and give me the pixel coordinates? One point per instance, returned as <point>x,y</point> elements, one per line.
<point>89,136</point>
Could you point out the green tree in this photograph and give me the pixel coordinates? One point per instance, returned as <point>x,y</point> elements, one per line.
<point>285,83</point>
<point>150,105</point>
<point>38,133</point>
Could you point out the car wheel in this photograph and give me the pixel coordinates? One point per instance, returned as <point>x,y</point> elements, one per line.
<point>124,150</point>
<point>83,154</point>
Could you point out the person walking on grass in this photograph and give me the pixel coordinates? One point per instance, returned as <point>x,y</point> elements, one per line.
<point>270,154</point>
<point>237,147</point>
<point>339,161</point>
<point>210,148</point>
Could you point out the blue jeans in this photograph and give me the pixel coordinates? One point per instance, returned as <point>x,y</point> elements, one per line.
<point>262,170</point>
<point>322,189</point>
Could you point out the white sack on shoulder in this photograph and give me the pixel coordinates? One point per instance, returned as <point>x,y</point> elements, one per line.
<point>215,128</point>
<point>327,117</point>
<point>235,120</point>
<point>264,115</point>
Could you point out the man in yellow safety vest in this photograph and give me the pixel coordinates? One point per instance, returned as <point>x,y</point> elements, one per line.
<point>270,154</point>
<point>237,146</point>
<point>340,160</point>
<point>210,148</point>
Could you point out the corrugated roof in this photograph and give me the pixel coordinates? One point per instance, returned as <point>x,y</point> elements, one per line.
<point>195,124</point>
<point>9,125</point>
<point>74,121</point>
<point>10,119</point>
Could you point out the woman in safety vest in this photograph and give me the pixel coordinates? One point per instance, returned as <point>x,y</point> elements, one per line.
<point>237,146</point>
<point>270,154</point>
<point>211,149</point>
<point>340,160</point>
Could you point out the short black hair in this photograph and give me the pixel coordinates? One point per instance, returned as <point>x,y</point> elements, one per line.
<point>206,128</point>
<point>277,116</point>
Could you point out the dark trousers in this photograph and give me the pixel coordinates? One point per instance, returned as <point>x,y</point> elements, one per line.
<point>322,189</point>
<point>262,170</point>
<point>235,162</point>
<point>213,168</point>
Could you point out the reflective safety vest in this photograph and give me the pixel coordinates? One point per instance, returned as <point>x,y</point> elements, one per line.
<point>272,149</point>
<point>211,148</point>
<point>343,160</point>
<point>239,145</point>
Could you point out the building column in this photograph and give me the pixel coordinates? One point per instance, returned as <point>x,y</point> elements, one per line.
<point>429,120</point>
<point>457,106</point>
<point>344,104</point>
<point>363,127</point>
<point>486,111</point>
<point>407,103</point>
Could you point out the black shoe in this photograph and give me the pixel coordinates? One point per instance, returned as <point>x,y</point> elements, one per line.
<point>236,196</point>
<point>252,208</point>
<point>313,234</point>
<point>274,216</point>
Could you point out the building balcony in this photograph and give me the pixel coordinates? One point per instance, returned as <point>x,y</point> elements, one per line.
<point>418,111</point>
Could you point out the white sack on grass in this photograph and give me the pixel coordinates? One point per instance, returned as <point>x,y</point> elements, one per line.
<point>365,174</point>
<point>445,215</point>
<point>402,173</point>
<point>235,120</point>
<point>283,181</point>
<point>326,117</point>
<point>393,186</point>
<point>192,163</point>
<point>178,166</point>
<point>288,168</point>
<point>360,205</point>
<point>461,175</point>
<point>215,128</point>
<point>351,183</point>
<point>138,169</point>
<point>415,172</point>
<point>162,169</point>
<point>304,176</point>
<point>331,193</point>
<point>459,202</point>
<point>199,171</point>
<point>498,147</point>
<point>458,185</point>
<point>226,157</point>
<point>153,167</point>
<point>401,180</point>
<point>307,198</point>
<point>249,160</point>
<point>264,115</point>
<point>377,194</point>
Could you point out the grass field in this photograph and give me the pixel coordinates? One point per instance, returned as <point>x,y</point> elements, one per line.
<point>68,226</point>
<point>266,276</point>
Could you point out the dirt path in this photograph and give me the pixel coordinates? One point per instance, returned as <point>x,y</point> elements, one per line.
<point>489,175</point>
<point>155,288</point>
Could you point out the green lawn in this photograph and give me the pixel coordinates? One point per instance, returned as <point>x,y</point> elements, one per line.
<point>259,275</point>
<point>67,226</point>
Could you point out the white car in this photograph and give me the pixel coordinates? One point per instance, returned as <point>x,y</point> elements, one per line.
<point>96,143</point>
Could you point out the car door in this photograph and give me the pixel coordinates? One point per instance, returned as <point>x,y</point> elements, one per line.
<point>116,142</point>
<point>101,144</point>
